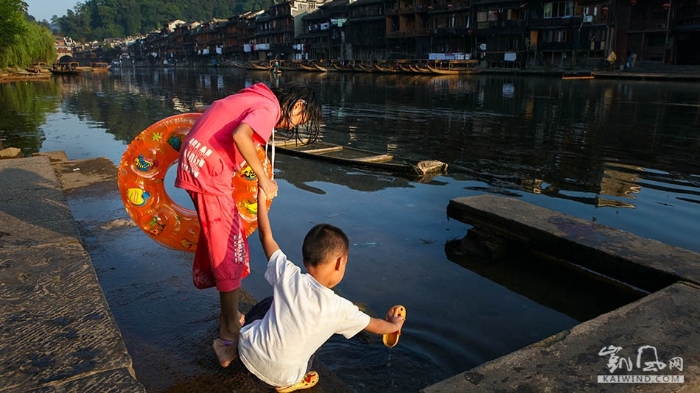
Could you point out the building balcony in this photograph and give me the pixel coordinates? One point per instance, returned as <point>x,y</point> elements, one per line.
<point>647,25</point>
<point>555,46</point>
<point>552,22</point>
<point>408,34</point>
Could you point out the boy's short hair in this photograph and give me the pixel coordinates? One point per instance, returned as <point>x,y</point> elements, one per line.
<point>324,241</point>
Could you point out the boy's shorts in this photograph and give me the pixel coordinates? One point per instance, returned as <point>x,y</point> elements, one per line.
<point>222,256</point>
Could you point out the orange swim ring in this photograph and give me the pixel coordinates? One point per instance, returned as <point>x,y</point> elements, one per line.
<point>141,174</point>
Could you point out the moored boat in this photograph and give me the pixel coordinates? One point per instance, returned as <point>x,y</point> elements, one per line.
<point>99,66</point>
<point>310,67</point>
<point>419,69</point>
<point>70,68</point>
<point>343,68</point>
<point>253,66</point>
<point>386,69</point>
<point>359,158</point>
<point>320,67</point>
<point>454,67</point>
<point>364,68</point>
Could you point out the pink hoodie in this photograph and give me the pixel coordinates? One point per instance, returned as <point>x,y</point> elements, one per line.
<point>208,156</point>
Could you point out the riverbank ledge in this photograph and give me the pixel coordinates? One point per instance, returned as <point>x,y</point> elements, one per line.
<point>61,222</point>
<point>57,332</point>
<point>647,346</point>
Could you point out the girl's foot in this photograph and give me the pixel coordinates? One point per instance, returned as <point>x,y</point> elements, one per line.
<point>226,351</point>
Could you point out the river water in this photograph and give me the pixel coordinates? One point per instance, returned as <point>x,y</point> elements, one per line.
<point>622,153</point>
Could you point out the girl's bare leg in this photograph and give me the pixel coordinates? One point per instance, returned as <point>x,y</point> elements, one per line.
<point>226,346</point>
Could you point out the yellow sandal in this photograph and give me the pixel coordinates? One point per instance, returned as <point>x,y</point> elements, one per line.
<point>310,380</point>
<point>391,339</point>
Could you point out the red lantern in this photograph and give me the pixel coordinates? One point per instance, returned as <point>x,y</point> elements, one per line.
<point>667,6</point>
<point>605,8</point>
<point>634,2</point>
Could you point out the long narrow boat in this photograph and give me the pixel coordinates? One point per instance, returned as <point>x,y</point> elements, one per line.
<point>454,67</point>
<point>419,69</point>
<point>386,69</point>
<point>359,158</point>
<point>406,68</point>
<point>309,67</point>
<point>99,66</point>
<point>254,66</point>
<point>343,68</point>
<point>70,68</point>
<point>364,68</point>
<point>320,67</point>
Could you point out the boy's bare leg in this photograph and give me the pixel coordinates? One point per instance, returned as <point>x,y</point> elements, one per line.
<point>226,346</point>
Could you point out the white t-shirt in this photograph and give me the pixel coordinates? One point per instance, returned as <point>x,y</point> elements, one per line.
<point>304,314</point>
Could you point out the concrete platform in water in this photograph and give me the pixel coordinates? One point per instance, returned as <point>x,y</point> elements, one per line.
<point>57,332</point>
<point>650,345</point>
<point>62,222</point>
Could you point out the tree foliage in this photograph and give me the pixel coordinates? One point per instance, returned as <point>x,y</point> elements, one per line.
<point>34,45</point>
<point>22,40</point>
<point>12,21</point>
<point>99,19</point>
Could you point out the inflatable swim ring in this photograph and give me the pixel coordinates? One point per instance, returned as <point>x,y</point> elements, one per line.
<point>143,168</point>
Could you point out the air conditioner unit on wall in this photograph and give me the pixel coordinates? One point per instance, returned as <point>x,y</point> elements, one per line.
<point>587,18</point>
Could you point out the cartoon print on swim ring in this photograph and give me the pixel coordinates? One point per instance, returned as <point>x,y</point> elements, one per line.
<point>143,168</point>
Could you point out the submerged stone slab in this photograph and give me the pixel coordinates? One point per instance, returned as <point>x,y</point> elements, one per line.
<point>645,263</point>
<point>57,332</point>
<point>55,323</point>
<point>663,326</point>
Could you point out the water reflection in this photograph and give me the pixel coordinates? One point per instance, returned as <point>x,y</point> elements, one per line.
<point>622,153</point>
<point>23,110</point>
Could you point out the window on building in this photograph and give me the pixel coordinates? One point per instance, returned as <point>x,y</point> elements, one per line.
<point>559,9</point>
<point>556,36</point>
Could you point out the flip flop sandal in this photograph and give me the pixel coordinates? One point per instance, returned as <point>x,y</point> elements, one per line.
<point>310,380</point>
<point>391,339</point>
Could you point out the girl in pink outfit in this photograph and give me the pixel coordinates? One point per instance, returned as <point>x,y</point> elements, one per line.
<point>221,142</point>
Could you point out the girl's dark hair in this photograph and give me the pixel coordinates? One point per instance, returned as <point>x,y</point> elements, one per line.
<point>288,95</point>
<point>322,242</point>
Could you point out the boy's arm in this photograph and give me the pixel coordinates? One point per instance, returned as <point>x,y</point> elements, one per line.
<point>381,326</point>
<point>269,244</point>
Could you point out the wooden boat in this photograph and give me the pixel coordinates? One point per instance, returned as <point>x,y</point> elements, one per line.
<point>99,66</point>
<point>343,68</point>
<point>406,68</point>
<point>364,68</point>
<point>454,67</point>
<point>290,65</point>
<point>36,68</point>
<point>255,66</point>
<point>311,67</point>
<point>419,69</point>
<point>358,158</point>
<point>320,67</point>
<point>574,77</point>
<point>70,68</point>
<point>386,69</point>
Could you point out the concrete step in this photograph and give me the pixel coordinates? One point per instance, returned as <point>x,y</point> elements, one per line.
<point>57,332</point>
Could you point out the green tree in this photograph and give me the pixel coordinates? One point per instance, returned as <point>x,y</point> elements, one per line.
<point>22,40</point>
<point>12,24</point>
<point>35,45</point>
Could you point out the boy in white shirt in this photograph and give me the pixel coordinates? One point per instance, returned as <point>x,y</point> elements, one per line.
<point>304,312</point>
